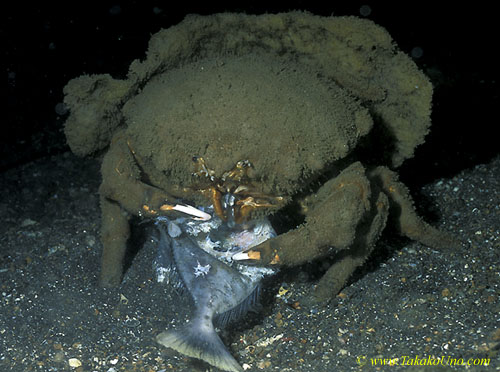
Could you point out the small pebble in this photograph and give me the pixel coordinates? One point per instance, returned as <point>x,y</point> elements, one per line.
<point>28,222</point>
<point>74,363</point>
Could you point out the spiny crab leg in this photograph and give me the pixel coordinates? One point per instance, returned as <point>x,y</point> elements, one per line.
<point>197,214</point>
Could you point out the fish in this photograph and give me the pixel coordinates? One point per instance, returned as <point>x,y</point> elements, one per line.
<point>197,256</point>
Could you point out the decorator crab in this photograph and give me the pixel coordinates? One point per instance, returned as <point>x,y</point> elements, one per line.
<point>287,110</point>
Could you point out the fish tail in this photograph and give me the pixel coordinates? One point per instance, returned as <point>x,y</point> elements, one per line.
<point>198,339</point>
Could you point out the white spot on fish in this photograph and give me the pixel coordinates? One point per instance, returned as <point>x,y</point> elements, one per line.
<point>161,274</point>
<point>201,270</point>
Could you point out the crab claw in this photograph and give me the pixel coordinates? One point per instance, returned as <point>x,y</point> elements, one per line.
<point>195,213</point>
<point>330,224</point>
<point>262,254</point>
<point>247,256</point>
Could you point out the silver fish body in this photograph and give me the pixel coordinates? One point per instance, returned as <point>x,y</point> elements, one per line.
<point>221,290</point>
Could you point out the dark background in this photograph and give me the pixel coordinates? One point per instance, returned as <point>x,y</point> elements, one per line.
<point>43,46</point>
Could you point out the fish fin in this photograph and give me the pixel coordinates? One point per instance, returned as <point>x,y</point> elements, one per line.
<point>170,276</point>
<point>164,264</point>
<point>202,342</point>
<point>248,304</point>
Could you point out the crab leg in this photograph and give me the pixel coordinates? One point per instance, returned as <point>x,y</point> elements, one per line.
<point>123,195</point>
<point>409,223</point>
<point>115,232</point>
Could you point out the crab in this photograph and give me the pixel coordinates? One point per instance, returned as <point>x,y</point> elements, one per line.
<point>284,113</point>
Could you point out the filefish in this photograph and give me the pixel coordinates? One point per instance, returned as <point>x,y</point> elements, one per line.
<point>198,257</point>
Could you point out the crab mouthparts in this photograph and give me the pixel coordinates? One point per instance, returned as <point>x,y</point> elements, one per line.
<point>233,196</point>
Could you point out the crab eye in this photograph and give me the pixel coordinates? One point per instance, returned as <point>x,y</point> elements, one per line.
<point>195,158</point>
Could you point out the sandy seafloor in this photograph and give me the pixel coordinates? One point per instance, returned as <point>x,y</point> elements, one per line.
<point>409,302</point>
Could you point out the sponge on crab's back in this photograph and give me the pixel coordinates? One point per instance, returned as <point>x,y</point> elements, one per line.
<point>283,118</point>
<point>355,53</point>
